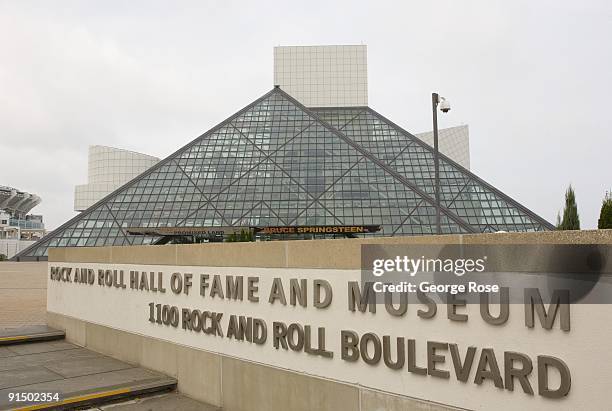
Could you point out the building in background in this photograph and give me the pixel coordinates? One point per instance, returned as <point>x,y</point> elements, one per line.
<point>454,142</point>
<point>279,164</point>
<point>18,229</point>
<point>323,76</point>
<point>109,168</point>
<point>337,76</point>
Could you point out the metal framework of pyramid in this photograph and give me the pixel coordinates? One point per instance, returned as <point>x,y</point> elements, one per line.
<point>277,163</point>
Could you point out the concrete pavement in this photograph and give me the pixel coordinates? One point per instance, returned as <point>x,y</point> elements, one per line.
<point>172,401</point>
<point>77,375</point>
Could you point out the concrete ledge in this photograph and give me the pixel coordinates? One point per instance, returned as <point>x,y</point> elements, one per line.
<point>29,334</point>
<point>165,254</point>
<point>258,254</point>
<point>75,328</point>
<point>117,344</point>
<point>377,401</point>
<point>200,375</point>
<point>230,383</point>
<point>241,385</point>
<point>272,389</point>
<point>160,356</point>
<point>104,255</point>
<point>331,254</point>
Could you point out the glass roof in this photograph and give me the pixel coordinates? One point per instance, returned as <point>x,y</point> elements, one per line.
<point>277,163</point>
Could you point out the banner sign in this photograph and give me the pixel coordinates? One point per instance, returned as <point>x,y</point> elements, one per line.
<point>183,231</point>
<point>319,229</point>
<point>218,231</point>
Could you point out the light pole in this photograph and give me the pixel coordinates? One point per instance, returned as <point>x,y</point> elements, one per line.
<point>445,108</point>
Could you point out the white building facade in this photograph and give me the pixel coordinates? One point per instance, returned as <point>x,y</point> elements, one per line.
<point>454,142</point>
<point>108,169</point>
<point>323,76</point>
<point>337,76</point>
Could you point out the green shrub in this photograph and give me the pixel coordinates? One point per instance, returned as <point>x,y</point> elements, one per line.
<point>605,216</point>
<point>570,220</point>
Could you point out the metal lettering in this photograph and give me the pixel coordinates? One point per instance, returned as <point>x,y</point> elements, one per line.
<point>403,304</point>
<point>363,347</point>
<point>217,287</point>
<point>510,372</point>
<point>320,350</point>
<point>279,335</point>
<point>433,359</point>
<point>234,287</point>
<point>559,303</point>
<point>504,307</point>
<point>176,283</point>
<point>277,292</point>
<point>356,298</point>
<point>252,289</point>
<point>462,371</point>
<point>322,285</point>
<point>260,331</point>
<point>401,353</point>
<point>488,368</point>
<point>348,346</point>
<point>295,344</point>
<point>544,362</point>
<point>412,367</point>
<point>451,306</point>
<point>429,302</point>
<point>298,291</point>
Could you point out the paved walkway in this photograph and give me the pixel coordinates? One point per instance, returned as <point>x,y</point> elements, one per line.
<point>77,374</point>
<point>23,293</point>
<point>165,402</point>
<point>59,366</point>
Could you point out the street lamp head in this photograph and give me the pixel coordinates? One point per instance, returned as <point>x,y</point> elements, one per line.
<point>444,105</point>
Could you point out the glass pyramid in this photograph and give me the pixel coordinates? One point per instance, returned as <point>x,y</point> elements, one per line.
<point>277,163</point>
<point>462,193</point>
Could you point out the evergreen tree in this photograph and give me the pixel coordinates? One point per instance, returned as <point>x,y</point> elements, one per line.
<point>570,220</point>
<point>605,216</point>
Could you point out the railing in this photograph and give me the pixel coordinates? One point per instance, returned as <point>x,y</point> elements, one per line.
<point>26,224</point>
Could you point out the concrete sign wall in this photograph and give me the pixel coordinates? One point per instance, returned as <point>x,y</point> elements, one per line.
<point>299,306</point>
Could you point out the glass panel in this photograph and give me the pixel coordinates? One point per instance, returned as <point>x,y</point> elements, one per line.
<point>276,164</point>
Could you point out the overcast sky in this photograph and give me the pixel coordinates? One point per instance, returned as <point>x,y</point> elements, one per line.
<point>531,78</point>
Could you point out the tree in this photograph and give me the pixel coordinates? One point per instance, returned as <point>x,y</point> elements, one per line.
<point>605,216</point>
<point>243,236</point>
<point>570,220</point>
<point>3,257</point>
